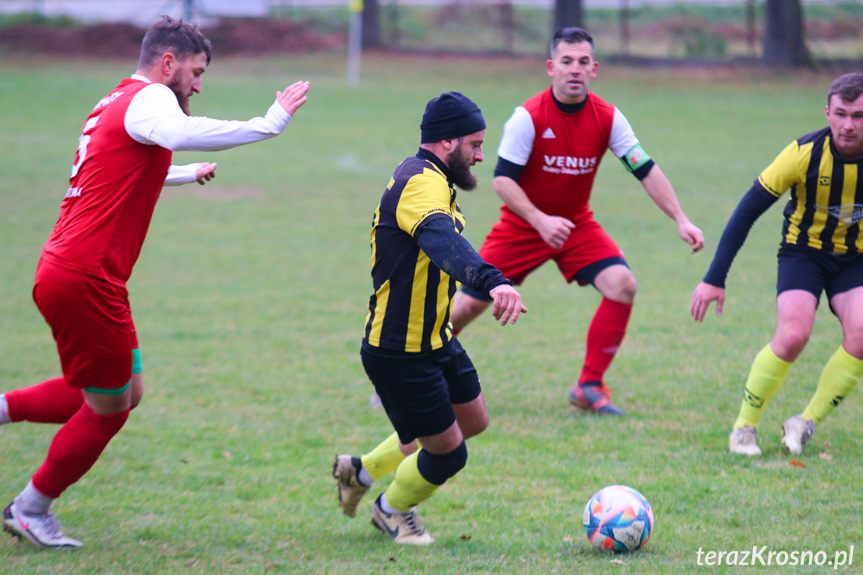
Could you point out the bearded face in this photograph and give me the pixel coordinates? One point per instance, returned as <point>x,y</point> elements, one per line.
<point>460,169</point>
<point>182,98</point>
<point>186,79</point>
<point>460,160</point>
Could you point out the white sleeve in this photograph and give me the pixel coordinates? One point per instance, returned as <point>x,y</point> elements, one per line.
<point>517,140</point>
<point>154,117</point>
<point>179,175</point>
<point>622,137</point>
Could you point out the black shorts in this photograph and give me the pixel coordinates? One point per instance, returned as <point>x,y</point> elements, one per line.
<point>812,270</point>
<point>418,390</point>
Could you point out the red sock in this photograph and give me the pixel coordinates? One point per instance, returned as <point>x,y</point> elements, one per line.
<point>51,401</point>
<point>76,447</point>
<point>604,338</point>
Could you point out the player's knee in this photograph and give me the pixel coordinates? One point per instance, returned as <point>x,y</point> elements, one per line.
<point>627,287</point>
<point>617,283</point>
<point>436,468</point>
<point>853,339</point>
<point>137,390</point>
<point>409,448</point>
<point>475,426</point>
<point>790,343</point>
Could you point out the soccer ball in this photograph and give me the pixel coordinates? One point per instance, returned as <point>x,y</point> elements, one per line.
<point>618,519</point>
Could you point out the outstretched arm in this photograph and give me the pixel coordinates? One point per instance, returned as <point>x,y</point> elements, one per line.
<point>662,193</point>
<point>293,97</point>
<point>454,255</point>
<point>155,117</point>
<point>756,201</point>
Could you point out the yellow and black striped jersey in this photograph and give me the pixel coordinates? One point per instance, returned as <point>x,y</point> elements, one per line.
<point>826,203</point>
<point>409,310</point>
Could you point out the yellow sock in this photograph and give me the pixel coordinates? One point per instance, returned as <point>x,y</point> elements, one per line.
<point>385,458</point>
<point>838,379</point>
<point>410,487</point>
<point>766,377</point>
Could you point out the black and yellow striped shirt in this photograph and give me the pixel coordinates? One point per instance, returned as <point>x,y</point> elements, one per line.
<point>409,310</point>
<point>826,203</point>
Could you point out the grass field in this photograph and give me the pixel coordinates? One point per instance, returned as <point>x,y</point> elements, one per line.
<point>250,297</point>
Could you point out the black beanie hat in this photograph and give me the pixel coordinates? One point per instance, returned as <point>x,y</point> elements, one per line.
<point>450,115</point>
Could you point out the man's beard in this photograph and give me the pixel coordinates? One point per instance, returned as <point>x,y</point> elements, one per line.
<point>182,99</point>
<point>460,172</point>
<point>184,104</point>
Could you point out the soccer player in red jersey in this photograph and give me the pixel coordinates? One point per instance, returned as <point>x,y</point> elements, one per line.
<point>550,152</point>
<point>122,162</point>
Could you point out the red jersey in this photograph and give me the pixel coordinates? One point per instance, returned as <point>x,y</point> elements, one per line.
<point>112,193</point>
<point>561,151</point>
<point>567,151</point>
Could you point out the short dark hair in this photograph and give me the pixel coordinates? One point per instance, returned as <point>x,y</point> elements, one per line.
<point>848,87</point>
<point>572,35</point>
<point>175,36</point>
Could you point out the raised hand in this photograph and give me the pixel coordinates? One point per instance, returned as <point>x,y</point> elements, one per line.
<point>293,97</point>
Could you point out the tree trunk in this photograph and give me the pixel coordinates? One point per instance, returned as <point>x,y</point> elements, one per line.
<point>567,13</point>
<point>507,26</point>
<point>784,44</point>
<point>372,33</point>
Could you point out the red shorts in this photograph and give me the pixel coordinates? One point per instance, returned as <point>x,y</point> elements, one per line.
<point>514,247</point>
<point>92,324</point>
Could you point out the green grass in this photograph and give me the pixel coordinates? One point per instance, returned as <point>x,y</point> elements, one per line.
<point>250,296</point>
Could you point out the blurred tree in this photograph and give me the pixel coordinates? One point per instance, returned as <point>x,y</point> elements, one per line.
<point>372,33</point>
<point>784,43</point>
<point>567,13</point>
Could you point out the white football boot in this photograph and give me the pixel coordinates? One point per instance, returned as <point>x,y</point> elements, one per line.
<point>42,530</point>
<point>404,528</point>
<point>796,433</point>
<point>744,440</point>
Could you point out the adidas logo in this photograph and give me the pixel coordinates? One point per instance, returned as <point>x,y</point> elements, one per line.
<point>548,134</point>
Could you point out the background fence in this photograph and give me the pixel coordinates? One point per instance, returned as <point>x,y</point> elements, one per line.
<point>718,30</point>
